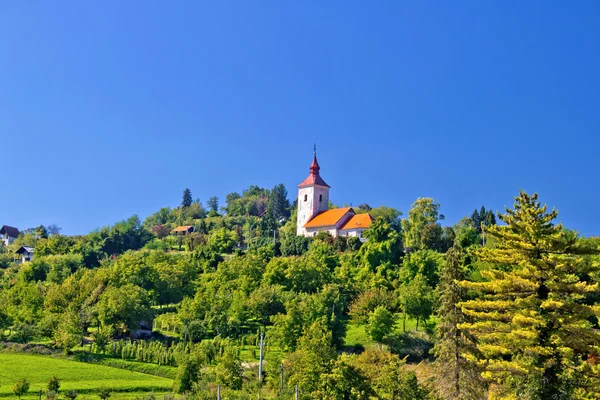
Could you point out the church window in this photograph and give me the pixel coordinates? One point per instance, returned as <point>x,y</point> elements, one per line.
<point>305,197</point>
<point>320,197</point>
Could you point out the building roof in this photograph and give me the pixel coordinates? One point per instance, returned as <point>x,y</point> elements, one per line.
<point>328,218</point>
<point>313,177</point>
<point>10,230</point>
<point>24,249</point>
<point>184,228</point>
<point>358,221</point>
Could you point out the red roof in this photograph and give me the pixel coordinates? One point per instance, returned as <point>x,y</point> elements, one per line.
<point>358,221</point>
<point>313,177</point>
<point>328,218</point>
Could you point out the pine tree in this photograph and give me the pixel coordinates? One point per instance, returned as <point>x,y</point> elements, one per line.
<point>187,198</point>
<point>457,377</point>
<point>531,320</point>
<point>279,205</point>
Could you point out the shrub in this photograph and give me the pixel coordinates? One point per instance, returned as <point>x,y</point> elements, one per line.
<point>20,387</point>
<point>54,384</point>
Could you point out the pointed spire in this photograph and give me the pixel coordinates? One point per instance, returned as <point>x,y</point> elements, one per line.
<point>314,178</point>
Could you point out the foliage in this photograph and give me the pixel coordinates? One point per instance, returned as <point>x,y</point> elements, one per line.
<point>422,217</point>
<point>187,198</point>
<point>456,376</point>
<point>531,319</point>
<point>20,387</point>
<point>54,384</point>
<point>381,324</point>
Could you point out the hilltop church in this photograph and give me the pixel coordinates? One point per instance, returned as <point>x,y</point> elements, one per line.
<point>315,216</point>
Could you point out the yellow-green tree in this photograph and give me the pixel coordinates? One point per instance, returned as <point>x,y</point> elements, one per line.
<point>533,324</point>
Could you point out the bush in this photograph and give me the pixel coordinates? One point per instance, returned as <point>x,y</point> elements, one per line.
<point>54,384</point>
<point>71,394</point>
<point>20,387</point>
<point>104,393</point>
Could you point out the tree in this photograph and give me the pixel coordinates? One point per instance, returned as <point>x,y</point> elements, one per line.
<point>68,333</point>
<point>423,212</point>
<point>344,381</point>
<point>416,298</point>
<point>279,205</point>
<point>187,375</point>
<point>54,384</point>
<point>229,371</point>
<point>532,322</point>
<point>41,232</point>
<point>213,205</point>
<point>71,394</point>
<point>381,324</point>
<point>20,387</point>
<point>53,229</point>
<point>456,377</point>
<point>160,231</point>
<point>187,198</point>
<point>104,393</point>
<point>123,308</point>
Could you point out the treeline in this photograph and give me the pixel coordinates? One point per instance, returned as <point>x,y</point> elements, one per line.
<point>515,305</point>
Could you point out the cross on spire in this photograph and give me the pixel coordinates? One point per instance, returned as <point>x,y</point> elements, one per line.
<point>315,148</point>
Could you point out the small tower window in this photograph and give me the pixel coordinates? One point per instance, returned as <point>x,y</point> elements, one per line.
<point>320,197</point>
<point>305,197</point>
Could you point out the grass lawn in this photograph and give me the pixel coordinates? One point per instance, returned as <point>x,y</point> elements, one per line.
<point>82,377</point>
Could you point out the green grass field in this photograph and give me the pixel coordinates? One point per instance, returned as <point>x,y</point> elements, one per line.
<point>82,377</point>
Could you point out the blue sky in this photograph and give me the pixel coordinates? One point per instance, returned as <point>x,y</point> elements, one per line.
<point>112,108</point>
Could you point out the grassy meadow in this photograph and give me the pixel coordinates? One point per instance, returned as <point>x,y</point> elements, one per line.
<point>83,377</point>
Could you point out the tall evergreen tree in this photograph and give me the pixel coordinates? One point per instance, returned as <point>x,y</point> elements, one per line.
<point>279,204</point>
<point>213,205</point>
<point>187,198</point>
<point>531,320</point>
<point>457,377</point>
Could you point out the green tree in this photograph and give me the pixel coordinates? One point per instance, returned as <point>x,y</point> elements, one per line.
<point>213,205</point>
<point>69,333</point>
<point>279,205</point>
<point>187,375</point>
<point>532,323</point>
<point>423,213</point>
<point>104,393</point>
<point>456,377</point>
<point>229,371</point>
<point>344,381</point>
<point>123,308</point>
<point>54,384</point>
<point>187,198</point>
<point>20,387</point>
<point>71,394</point>
<point>417,300</point>
<point>381,324</point>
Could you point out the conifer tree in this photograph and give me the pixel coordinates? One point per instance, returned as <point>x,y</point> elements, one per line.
<point>187,198</point>
<point>457,377</point>
<point>531,320</point>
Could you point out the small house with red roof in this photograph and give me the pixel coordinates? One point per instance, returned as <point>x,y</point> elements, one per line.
<point>314,215</point>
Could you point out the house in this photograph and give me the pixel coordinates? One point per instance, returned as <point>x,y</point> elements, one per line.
<point>8,234</point>
<point>26,254</point>
<point>314,215</point>
<point>183,230</point>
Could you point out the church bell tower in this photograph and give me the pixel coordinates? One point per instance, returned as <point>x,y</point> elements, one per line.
<point>313,196</point>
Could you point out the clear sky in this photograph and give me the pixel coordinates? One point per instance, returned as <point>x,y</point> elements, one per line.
<point>112,108</point>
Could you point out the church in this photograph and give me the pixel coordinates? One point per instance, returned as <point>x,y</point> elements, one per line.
<point>314,215</point>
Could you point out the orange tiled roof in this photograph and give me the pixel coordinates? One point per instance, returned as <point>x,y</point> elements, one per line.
<point>358,221</point>
<point>328,218</point>
<point>184,228</point>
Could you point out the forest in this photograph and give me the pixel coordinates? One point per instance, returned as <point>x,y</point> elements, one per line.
<point>501,305</point>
